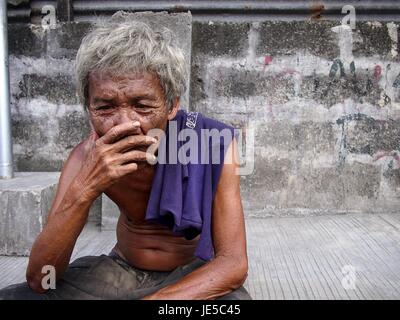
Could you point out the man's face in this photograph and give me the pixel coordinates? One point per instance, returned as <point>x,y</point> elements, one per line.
<point>131,97</point>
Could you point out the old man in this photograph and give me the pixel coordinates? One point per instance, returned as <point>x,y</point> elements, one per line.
<point>181,232</point>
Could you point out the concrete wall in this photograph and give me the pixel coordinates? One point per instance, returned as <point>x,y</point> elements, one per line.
<point>324,102</point>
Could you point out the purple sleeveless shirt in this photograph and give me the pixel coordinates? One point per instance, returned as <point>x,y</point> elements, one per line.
<point>182,192</point>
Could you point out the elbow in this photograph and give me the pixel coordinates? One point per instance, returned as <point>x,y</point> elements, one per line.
<point>242,272</point>
<point>34,281</point>
<point>241,268</point>
<point>35,284</point>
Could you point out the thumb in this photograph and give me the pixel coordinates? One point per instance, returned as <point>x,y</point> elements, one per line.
<point>94,135</point>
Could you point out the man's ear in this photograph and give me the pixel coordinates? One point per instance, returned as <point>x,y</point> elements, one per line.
<point>174,109</point>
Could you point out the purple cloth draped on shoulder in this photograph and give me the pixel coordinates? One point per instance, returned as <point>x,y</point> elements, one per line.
<point>182,194</point>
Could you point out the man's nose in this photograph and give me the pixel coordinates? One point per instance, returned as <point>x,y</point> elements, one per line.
<point>126,115</point>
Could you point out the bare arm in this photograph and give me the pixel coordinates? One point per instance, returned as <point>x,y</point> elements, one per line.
<point>90,169</point>
<point>228,270</point>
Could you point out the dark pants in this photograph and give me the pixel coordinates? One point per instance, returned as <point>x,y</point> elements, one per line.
<point>109,277</point>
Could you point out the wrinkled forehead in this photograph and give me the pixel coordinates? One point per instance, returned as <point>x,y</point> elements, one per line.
<point>101,82</point>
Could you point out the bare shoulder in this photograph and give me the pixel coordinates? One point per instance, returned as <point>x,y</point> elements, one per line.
<point>77,154</point>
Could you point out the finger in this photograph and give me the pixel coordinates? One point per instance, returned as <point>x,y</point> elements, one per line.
<point>135,156</point>
<point>153,148</point>
<point>134,141</point>
<point>120,131</point>
<point>127,168</point>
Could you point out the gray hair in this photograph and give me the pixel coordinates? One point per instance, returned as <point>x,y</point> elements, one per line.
<point>122,45</point>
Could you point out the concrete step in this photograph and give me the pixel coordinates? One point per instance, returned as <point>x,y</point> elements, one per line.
<point>348,256</point>
<point>25,202</point>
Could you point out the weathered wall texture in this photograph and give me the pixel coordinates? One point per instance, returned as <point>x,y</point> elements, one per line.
<point>324,101</point>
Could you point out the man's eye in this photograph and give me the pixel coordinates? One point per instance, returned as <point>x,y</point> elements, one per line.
<point>102,108</point>
<point>143,107</point>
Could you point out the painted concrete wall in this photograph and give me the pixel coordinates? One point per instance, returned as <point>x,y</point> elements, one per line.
<point>323,100</point>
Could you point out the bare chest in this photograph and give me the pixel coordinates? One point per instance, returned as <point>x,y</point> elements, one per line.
<point>132,193</point>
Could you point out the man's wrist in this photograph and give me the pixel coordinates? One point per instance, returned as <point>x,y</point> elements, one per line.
<point>85,194</point>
